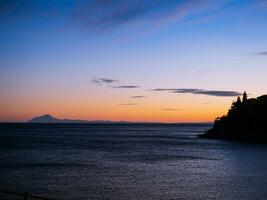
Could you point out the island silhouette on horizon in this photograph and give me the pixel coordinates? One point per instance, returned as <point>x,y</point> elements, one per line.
<point>246,120</point>
<point>50,119</point>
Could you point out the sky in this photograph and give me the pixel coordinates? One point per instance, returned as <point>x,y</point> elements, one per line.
<point>134,60</point>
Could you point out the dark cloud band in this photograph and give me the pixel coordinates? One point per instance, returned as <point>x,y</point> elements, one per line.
<point>261,53</point>
<point>219,93</point>
<point>103,80</point>
<point>127,86</point>
<point>137,97</point>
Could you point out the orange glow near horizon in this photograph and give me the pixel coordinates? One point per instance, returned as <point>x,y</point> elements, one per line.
<point>154,108</point>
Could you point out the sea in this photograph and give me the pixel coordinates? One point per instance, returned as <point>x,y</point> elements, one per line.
<point>128,162</point>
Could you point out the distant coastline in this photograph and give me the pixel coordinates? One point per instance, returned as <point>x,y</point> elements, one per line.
<point>49,119</point>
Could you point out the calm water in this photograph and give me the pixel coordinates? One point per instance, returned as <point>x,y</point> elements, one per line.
<point>122,161</point>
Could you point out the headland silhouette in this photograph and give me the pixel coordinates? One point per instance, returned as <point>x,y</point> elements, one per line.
<point>246,120</point>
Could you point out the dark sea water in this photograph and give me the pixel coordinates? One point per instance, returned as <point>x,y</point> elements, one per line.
<point>128,161</point>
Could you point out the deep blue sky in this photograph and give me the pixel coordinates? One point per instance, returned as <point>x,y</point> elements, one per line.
<point>52,51</point>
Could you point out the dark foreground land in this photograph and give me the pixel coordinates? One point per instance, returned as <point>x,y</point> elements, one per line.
<point>246,121</point>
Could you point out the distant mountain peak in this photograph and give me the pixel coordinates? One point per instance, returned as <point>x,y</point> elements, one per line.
<point>47,116</point>
<point>44,119</point>
<point>50,119</point>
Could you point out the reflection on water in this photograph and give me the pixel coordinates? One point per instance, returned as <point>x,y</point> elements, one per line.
<point>128,161</point>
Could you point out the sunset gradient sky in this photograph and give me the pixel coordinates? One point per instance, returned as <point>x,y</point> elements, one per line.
<point>136,60</point>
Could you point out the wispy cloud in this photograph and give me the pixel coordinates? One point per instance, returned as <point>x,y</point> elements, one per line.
<point>111,83</point>
<point>203,19</point>
<point>129,104</point>
<point>137,97</point>
<point>109,14</point>
<point>127,86</point>
<point>169,109</point>
<point>163,89</point>
<point>261,53</point>
<point>219,93</point>
<point>99,81</point>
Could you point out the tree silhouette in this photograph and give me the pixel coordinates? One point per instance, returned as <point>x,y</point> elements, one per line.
<point>237,104</point>
<point>245,97</point>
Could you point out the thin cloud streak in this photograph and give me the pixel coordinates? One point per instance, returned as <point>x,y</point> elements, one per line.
<point>137,97</point>
<point>169,109</point>
<point>126,87</point>
<point>218,93</point>
<point>163,89</point>
<point>99,81</point>
<point>261,53</point>
<point>129,104</point>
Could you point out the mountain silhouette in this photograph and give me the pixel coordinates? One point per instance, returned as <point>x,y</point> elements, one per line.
<point>246,120</point>
<point>44,119</point>
<point>50,119</point>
